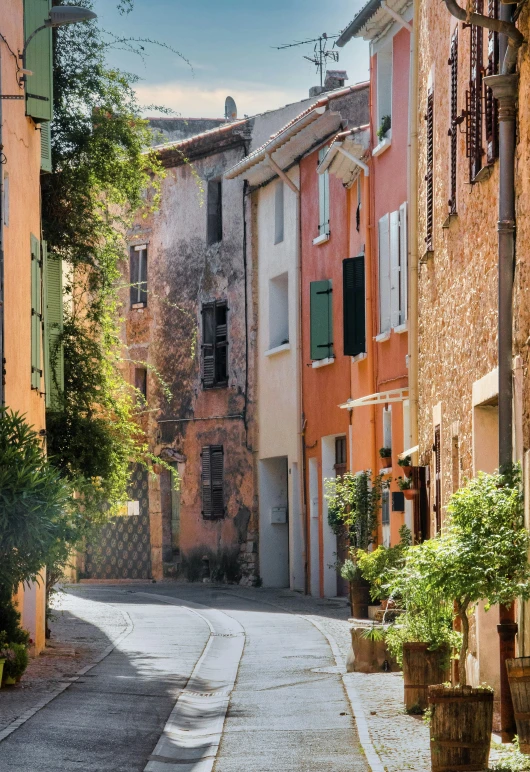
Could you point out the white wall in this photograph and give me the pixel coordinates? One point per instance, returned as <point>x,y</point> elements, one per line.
<point>314,528</point>
<point>328,537</point>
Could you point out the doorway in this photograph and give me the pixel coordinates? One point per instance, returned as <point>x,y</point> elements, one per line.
<point>274,521</point>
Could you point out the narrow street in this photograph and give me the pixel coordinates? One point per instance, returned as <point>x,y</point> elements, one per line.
<point>200,678</point>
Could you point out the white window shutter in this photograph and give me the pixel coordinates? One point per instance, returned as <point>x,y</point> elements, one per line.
<point>394,269</point>
<point>384,274</point>
<point>323,197</point>
<point>403,261</point>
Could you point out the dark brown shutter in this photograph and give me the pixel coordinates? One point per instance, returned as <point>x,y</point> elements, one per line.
<point>208,345</point>
<point>475,151</point>
<point>453,131</point>
<point>353,301</point>
<point>491,104</point>
<point>212,481</point>
<point>221,344</point>
<point>133,274</point>
<point>437,477</point>
<point>429,177</point>
<point>215,211</point>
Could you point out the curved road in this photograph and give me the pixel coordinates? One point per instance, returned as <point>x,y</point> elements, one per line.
<point>204,679</point>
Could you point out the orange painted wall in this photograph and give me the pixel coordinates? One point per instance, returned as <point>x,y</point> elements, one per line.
<point>21,140</point>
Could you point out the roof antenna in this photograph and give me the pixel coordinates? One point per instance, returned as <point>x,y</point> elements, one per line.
<point>230,109</point>
<point>320,52</point>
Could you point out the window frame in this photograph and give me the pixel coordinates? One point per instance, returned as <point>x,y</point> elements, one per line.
<point>138,257</point>
<point>323,197</point>
<point>214,212</point>
<point>212,482</point>
<point>219,342</point>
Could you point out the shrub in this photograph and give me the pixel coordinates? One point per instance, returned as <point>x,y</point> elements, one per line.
<point>377,566</point>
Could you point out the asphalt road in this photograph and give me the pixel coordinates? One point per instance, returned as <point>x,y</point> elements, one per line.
<point>204,679</point>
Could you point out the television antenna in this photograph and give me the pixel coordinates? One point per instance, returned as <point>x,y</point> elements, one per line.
<point>321,53</point>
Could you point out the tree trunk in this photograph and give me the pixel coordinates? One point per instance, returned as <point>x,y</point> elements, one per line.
<point>462,613</point>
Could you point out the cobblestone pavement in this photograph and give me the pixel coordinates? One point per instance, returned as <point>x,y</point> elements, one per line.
<point>81,631</point>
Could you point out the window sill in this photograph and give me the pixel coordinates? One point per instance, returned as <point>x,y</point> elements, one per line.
<point>138,306</point>
<point>322,362</point>
<point>482,174</point>
<point>386,470</point>
<point>382,146</point>
<point>450,219</point>
<point>428,254</point>
<point>321,239</point>
<point>382,337</point>
<point>359,357</point>
<point>277,350</point>
<point>401,328</point>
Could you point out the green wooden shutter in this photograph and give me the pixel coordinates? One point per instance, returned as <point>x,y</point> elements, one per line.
<point>36,313</point>
<point>39,59</point>
<point>354,306</point>
<point>45,147</point>
<point>53,327</point>
<point>321,328</point>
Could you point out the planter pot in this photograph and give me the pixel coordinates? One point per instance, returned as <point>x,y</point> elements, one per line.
<point>461,725</point>
<point>2,663</point>
<point>387,462</point>
<point>8,681</point>
<point>360,598</point>
<point>519,678</point>
<point>410,494</point>
<point>407,470</point>
<point>421,669</point>
<point>388,604</point>
<point>368,656</point>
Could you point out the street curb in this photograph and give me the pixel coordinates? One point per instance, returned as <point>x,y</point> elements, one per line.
<point>21,720</point>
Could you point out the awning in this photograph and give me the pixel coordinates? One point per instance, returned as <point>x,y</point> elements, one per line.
<point>381,398</point>
<point>409,452</point>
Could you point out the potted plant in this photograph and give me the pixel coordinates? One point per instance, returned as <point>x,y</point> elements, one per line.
<point>353,503</point>
<point>16,662</point>
<point>378,566</point>
<point>481,555</point>
<point>406,485</point>
<point>382,131</point>
<point>386,456</point>
<point>406,465</point>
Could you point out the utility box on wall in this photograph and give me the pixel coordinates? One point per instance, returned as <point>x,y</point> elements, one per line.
<point>278,515</point>
<point>398,501</point>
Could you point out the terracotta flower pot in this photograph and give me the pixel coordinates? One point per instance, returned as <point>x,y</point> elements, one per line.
<point>407,470</point>
<point>409,493</point>
<point>386,461</point>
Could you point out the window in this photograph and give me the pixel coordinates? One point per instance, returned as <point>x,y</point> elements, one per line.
<point>340,456</point>
<point>214,345</point>
<point>140,381</point>
<point>385,506</point>
<point>321,319</point>
<point>45,147</point>
<point>138,276</point>
<point>323,197</point>
<point>491,104</point>
<point>429,176</point>
<point>475,151</point>
<point>387,427</point>
<point>278,212</point>
<point>212,482</point>
<point>353,304</point>
<point>384,83</point>
<point>393,261</point>
<point>53,327</point>
<point>39,91</point>
<point>279,310</point>
<point>36,313</point>
<point>455,120</point>
<point>215,212</point>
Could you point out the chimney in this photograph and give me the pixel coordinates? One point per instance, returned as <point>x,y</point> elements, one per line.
<point>334,79</point>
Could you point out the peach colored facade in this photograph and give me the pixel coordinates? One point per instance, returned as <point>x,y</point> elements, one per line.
<point>20,172</point>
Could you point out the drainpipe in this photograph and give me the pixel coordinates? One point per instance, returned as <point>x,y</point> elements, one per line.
<point>504,88</point>
<point>413,232</point>
<point>2,371</point>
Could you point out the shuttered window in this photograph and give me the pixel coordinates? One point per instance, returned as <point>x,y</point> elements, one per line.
<point>321,319</point>
<point>45,147</point>
<point>36,313</point>
<point>403,263</point>
<point>215,212</point>
<point>429,176</point>
<point>392,266</point>
<point>39,60</point>
<point>384,273</point>
<point>323,197</point>
<point>138,275</point>
<point>354,306</point>
<point>214,345</point>
<point>474,112</point>
<point>212,462</point>
<point>491,104</point>
<point>53,327</point>
<point>278,212</point>
<point>453,129</point>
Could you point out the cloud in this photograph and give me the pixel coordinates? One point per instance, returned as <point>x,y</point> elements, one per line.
<point>200,102</point>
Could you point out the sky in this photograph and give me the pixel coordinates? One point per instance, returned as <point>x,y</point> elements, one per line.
<point>229,44</point>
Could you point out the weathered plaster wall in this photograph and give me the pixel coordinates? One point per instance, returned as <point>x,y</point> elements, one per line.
<point>21,143</point>
<point>184,273</point>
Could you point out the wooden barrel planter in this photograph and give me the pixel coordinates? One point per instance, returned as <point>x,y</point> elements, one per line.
<point>360,598</point>
<point>519,678</point>
<point>461,725</point>
<point>421,669</point>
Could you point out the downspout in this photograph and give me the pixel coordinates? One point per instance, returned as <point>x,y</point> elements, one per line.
<point>504,88</point>
<point>301,435</point>
<point>2,368</point>
<point>413,233</point>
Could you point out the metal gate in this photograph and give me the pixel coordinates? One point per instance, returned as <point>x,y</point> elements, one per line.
<point>122,549</point>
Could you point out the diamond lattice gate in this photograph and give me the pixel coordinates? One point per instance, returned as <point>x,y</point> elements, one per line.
<point>122,548</point>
